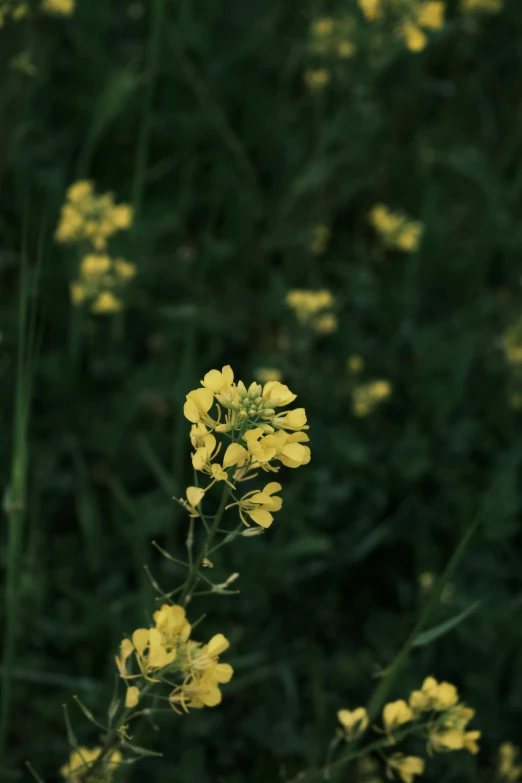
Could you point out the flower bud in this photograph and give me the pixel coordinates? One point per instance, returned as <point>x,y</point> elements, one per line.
<point>241,390</point>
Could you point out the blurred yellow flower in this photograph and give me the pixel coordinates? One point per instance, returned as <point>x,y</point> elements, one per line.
<point>320,239</point>
<point>90,218</point>
<point>372,9</point>
<point>367,396</point>
<point>265,374</point>
<point>106,303</point>
<point>63,7</point>
<point>507,769</point>
<point>312,309</point>
<point>81,759</point>
<point>396,229</point>
<point>355,364</point>
<point>322,27</point>
<point>354,722</point>
<point>395,714</point>
<point>405,766</point>
<point>316,79</point>
<point>125,269</point>
<point>482,6</point>
<point>451,733</point>
<point>132,696</point>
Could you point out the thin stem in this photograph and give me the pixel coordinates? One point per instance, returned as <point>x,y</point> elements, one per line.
<point>142,151</point>
<point>193,576</point>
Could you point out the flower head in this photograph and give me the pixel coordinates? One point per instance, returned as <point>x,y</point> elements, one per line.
<point>406,767</point>
<point>395,714</point>
<point>354,722</point>
<point>82,759</point>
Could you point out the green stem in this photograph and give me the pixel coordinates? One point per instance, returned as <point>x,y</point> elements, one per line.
<point>193,576</point>
<point>142,152</point>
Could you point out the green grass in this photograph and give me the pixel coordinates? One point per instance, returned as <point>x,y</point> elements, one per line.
<point>197,113</point>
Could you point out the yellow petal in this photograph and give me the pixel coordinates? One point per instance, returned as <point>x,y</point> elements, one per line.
<point>272,487</point>
<point>190,411</point>
<point>132,697</point>
<point>214,381</point>
<point>260,517</point>
<point>234,454</point>
<point>222,672</point>
<point>217,645</point>
<point>140,640</point>
<point>195,495</point>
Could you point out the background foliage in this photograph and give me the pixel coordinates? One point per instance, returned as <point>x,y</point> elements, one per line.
<point>198,114</point>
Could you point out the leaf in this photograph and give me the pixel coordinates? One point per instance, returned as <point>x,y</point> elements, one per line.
<point>448,625</point>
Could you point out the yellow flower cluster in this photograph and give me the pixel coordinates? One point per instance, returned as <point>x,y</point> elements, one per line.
<point>320,238</point>
<point>166,652</point>
<point>397,230</point>
<point>482,6</point>
<point>89,220</point>
<point>12,10</point>
<point>99,276</point>
<point>329,37</point>
<point>81,759</point>
<point>411,18</point>
<point>87,217</point>
<point>260,435</point>
<point>444,726</point>
<point>313,309</point>
<point>508,771</point>
<point>59,7</point>
<point>366,396</point>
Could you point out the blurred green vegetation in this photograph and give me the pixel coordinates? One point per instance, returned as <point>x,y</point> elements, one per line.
<point>198,114</point>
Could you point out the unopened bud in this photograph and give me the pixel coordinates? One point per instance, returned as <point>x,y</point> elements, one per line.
<point>267,429</point>
<point>253,531</point>
<point>254,390</point>
<point>241,390</point>
<point>268,413</point>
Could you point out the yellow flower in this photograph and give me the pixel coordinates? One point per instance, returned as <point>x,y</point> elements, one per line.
<point>507,768</point>
<point>93,266</point>
<point>451,734</point>
<point>316,79</point>
<point>383,220</point>
<point>261,447</point>
<point>355,363</point>
<point>372,9</point>
<point>264,374</point>
<point>277,394</point>
<point>320,238</point>
<point>202,457</point>
<point>121,216</point>
<point>132,696</point>
<point>289,448</point>
<point>194,497</point>
<point>259,505</point>
<point>78,293</point>
<point>204,675</point>
<point>125,269</point>
<point>197,405</point>
<point>431,15</point>
<point>63,7</point>
<point>354,722</point>
<point>414,37</point>
<point>346,49</point>
<point>405,766</point>
<point>172,623</point>
<point>106,302</point>
<point>309,304</point>
<point>81,759</point>
<point>434,696</point>
<point>291,420</point>
<point>409,237</point>
<point>79,191</point>
<point>325,324</point>
<point>395,714</point>
<point>322,27</point>
<point>368,395</point>
<point>151,653</point>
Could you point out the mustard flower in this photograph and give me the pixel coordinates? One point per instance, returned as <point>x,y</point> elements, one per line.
<point>81,759</point>
<point>320,239</point>
<point>260,505</point>
<point>90,218</point>
<point>450,733</point>
<point>322,27</point>
<point>355,364</point>
<point>406,767</point>
<point>265,374</point>
<point>354,722</point>
<point>507,769</point>
<point>434,696</point>
<point>312,308</point>
<point>62,7</point>
<point>372,9</point>
<point>317,79</point>
<point>197,405</point>
<point>204,673</point>
<point>106,303</point>
<point>395,714</point>
<point>396,230</point>
<point>194,497</point>
<point>368,395</point>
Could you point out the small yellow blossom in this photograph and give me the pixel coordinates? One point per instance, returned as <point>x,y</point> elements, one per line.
<point>312,308</point>
<point>194,497</point>
<point>81,759</point>
<point>346,49</point>
<point>325,324</point>
<point>320,239</point>
<point>132,696</point>
<point>367,396</point>
<point>395,714</point>
<point>322,27</point>
<point>106,302</point>
<point>354,722</point>
<point>431,15</point>
<point>260,505</point>
<point>405,766</point>
<point>396,229</point>
<point>78,293</point>
<point>265,374</point>
<point>63,7</point>
<point>197,405</point>
<point>355,364</point>
<point>372,9</point>
<point>93,266</point>
<point>434,696</point>
<point>508,770</point>
<point>125,269</point>
<point>316,79</point>
<point>451,733</point>
<point>204,675</point>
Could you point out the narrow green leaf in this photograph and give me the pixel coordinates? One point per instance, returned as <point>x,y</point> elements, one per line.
<point>88,714</point>
<point>426,637</point>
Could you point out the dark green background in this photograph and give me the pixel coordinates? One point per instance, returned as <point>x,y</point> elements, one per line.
<point>242,163</point>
